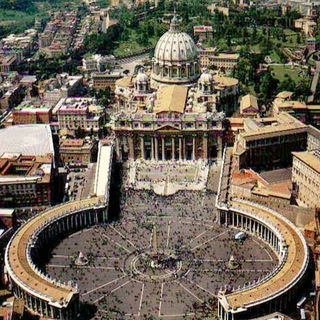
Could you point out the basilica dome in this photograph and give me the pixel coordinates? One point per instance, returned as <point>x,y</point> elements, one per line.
<point>175,58</point>
<point>175,46</point>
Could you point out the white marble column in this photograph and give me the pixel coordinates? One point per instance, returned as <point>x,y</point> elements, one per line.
<point>118,149</point>
<point>142,147</point>
<point>156,148</point>
<point>173,149</point>
<point>180,149</point>
<point>163,150</point>
<point>152,148</point>
<point>193,148</point>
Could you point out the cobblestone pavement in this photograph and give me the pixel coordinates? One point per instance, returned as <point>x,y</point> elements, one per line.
<point>125,279</point>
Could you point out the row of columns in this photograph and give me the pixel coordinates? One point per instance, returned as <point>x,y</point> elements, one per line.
<point>158,148</point>
<point>72,222</point>
<point>253,226</point>
<point>63,225</point>
<point>190,69</point>
<point>42,307</point>
<point>259,229</point>
<point>155,148</point>
<point>181,147</point>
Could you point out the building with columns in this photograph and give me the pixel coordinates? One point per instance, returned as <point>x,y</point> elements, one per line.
<point>174,113</point>
<point>306,178</point>
<point>173,123</point>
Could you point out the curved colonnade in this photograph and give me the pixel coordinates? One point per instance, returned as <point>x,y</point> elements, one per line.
<point>43,295</point>
<point>51,298</point>
<point>277,289</point>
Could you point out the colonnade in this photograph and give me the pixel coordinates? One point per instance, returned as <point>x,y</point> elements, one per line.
<point>50,230</point>
<point>256,227</point>
<point>286,240</point>
<point>44,308</point>
<point>168,148</point>
<point>264,231</point>
<point>71,222</point>
<point>187,70</point>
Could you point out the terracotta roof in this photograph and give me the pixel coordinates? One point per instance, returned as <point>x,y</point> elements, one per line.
<point>125,82</point>
<point>72,143</point>
<point>171,99</point>
<point>249,101</point>
<point>225,81</point>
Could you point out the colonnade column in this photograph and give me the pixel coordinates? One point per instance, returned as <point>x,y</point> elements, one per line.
<point>118,149</point>
<point>152,149</point>
<point>173,149</point>
<point>205,147</point>
<point>142,147</point>
<point>193,148</point>
<point>156,148</point>
<point>131,147</point>
<point>180,149</point>
<point>163,153</point>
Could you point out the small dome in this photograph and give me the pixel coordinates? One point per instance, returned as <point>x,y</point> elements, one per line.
<point>206,77</point>
<point>141,76</point>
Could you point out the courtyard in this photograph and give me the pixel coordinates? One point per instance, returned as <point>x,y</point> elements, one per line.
<point>122,278</point>
<point>168,177</point>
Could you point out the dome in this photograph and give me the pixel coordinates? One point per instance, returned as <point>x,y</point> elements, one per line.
<point>175,58</point>
<point>175,46</point>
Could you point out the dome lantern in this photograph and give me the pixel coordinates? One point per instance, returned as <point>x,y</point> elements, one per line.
<point>141,83</point>
<point>205,83</point>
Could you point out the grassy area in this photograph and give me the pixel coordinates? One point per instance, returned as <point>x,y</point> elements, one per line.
<point>275,57</point>
<point>15,19</point>
<point>132,46</point>
<point>291,41</point>
<point>283,72</point>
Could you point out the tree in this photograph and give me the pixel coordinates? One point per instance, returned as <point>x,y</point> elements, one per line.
<point>268,86</point>
<point>80,133</point>
<point>244,71</point>
<point>302,90</point>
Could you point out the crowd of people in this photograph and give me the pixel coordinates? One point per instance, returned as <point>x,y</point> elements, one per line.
<point>167,175</point>
<point>186,226</point>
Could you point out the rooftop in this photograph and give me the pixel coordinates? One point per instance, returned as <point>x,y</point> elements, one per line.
<point>171,99</point>
<point>284,124</point>
<point>18,260</point>
<point>309,158</point>
<point>31,140</point>
<point>225,81</point>
<point>103,169</point>
<point>249,101</point>
<point>295,262</point>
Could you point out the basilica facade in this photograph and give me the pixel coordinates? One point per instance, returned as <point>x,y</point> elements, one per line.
<point>174,111</point>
